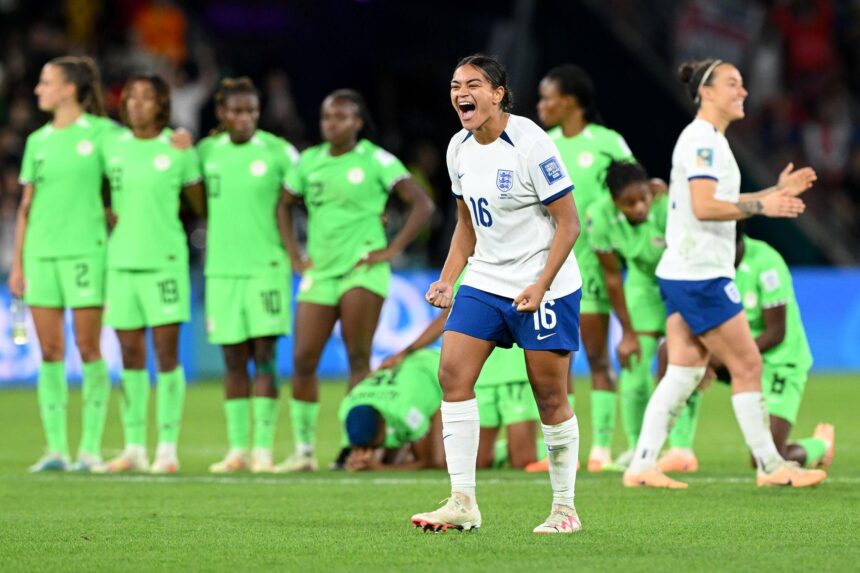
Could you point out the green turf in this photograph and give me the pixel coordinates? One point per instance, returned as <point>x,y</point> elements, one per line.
<point>337,521</point>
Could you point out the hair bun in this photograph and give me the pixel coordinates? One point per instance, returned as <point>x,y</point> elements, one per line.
<point>686,71</point>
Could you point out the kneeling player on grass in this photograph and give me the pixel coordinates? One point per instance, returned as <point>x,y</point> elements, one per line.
<point>504,400</point>
<point>392,417</point>
<point>767,293</point>
<point>148,283</point>
<point>629,227</point>
<point>248,274</point>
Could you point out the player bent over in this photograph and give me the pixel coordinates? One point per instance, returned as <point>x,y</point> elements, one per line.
<point>767,292</point>
<point>396,410</point>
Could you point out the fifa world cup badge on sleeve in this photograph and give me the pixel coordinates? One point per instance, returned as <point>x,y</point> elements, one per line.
<point>551,170</point>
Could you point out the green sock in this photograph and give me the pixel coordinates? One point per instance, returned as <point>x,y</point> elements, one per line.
<point>303,418</point>
<point>500,454</point>
<point>135,406</point>
<point>96,394</point>
<point>238,414</point>
<point>634,388</point>
<point>815,450</point>
<point>170,398</point>
<point>265,421</point>
<point>53,394</point>
<point>602,417</point>
<point>571,399</point>
<point>684,433</point>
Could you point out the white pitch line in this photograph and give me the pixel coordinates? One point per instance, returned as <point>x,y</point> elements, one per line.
<point>296,481</point>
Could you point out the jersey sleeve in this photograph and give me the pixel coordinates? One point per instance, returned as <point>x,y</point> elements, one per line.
<point>546,171</point>
<point>453,171</point>
<point>28,164</point>
<point>598,235</point>
<point>390,169</point>
<point>288,160</point>
<point>699,156</point>
<point>618,148</point>
<point>774,282</point>
<point>191,168</point>
<point>294,180</point>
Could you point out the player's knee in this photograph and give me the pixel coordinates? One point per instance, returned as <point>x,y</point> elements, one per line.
<point>305,361</point>
<point>52,351</point>
<point>453,388</point>
<point>167,357</point>
<point>133,356</point>
<point>235,361</point>
<point>89,349</point>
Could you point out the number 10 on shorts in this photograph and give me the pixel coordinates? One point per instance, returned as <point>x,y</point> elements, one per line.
<point>544,317</point>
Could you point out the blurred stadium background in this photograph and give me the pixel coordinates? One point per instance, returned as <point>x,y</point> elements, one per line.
<point>800,58</point>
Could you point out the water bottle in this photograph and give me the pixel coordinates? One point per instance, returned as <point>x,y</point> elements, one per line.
<point>19,321</point>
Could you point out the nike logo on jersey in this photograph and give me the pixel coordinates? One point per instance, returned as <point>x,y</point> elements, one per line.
<point>460,175</point>
<point>545,336</point>
<point>446,437</point>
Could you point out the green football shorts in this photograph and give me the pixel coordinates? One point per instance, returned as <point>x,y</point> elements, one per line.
<point>141,298</point>
<point>595,299</point>
<point>329,290</point>
<point>783,387</point>
<point>506,404</point>
<point>645,306</point>
<point>241,308</point>
<point>69,282</point>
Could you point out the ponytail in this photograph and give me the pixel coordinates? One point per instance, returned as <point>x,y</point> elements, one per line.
<point>83,72</point>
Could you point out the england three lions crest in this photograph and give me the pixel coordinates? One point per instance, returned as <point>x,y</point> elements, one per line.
<point>504,181</point>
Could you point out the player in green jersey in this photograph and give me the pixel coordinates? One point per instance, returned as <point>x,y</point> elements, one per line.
<point>391,418</point>
<point>767,293</point>
<point>504,396</point>
<point>147,279</point>
<point>59,252</point>
<point>248,276</point>
<point>345,183</point>
<point>627,229</point>
<point>567,105</point>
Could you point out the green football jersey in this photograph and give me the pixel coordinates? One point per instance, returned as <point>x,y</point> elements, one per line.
<point>639,246</point>
<point>243,185</point>
<point>504,366</point>
<point>64,166</point>
<point>586,157</point>
<point>406,396</point>
<point>764,281</point>
<point>345,197</point>
<point>146,178</point>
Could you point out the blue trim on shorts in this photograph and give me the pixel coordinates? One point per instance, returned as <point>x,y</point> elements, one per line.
<point>704,304</point>
<point>491,317</point>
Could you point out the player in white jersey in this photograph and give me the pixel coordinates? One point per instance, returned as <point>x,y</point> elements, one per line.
<point>703,304</point>
<point>516,228</point>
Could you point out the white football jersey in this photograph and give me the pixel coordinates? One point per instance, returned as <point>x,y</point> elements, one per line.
<point>695,249</point>
<point>506,185</point>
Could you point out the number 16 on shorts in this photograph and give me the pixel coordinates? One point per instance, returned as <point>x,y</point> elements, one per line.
<point>553,326</point>
<point>544,318</point>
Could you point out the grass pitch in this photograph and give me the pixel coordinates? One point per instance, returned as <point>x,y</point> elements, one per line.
<point>347,522</point>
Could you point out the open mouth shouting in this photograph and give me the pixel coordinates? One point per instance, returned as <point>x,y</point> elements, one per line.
<point>466,109</point>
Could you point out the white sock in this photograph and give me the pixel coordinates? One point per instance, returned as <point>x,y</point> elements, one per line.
<point>165,451</point>
<point>305,449</point>
<point>666,403</point>
<point>460,431</point>
<point>562,445</point>
<point>753,419</point>
<point>136,451</point>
